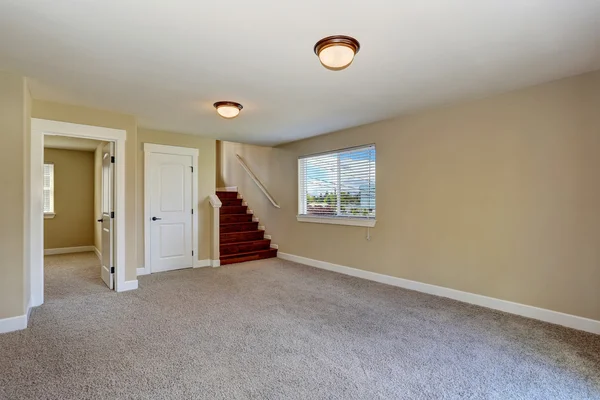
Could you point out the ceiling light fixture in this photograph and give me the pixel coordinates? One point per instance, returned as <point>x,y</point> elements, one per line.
<point>228,109</point>
<point>337,52</point>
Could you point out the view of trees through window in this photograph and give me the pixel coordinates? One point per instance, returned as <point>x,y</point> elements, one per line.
<point>338,184</point>
<point>326,203</point>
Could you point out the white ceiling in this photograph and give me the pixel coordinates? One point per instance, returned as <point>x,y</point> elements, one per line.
<point>70,143</point>
<point>167,61</point>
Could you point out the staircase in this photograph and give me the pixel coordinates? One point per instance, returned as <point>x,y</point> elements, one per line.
<point>240,238</point>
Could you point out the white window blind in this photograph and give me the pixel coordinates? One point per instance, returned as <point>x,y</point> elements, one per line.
<point>48,188</point>
<point>339,184</point>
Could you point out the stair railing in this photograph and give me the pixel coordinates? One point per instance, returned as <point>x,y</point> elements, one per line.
<point>257,181</point>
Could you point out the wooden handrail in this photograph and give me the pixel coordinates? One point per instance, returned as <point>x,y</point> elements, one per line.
<point>257,181</point>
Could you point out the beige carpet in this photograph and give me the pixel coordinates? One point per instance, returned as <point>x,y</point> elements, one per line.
<point>277,330</point>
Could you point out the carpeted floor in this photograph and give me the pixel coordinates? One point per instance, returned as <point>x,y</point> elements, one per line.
<point>274,329</point>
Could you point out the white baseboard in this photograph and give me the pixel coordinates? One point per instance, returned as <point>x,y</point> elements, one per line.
<point>98,253</point>
<point>128,285</point>
<point>207,263</point>
<point>16,323</point>
<point>554,317</point>
<point>274,246</point>
<point>67,250</point>
<point>227,189</point>
<point>13,323</point>
<point>197,264</point>
<point>201,263</point>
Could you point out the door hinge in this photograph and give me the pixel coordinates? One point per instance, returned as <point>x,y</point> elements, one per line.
<point>112,214</point>
<point>112,159</point>
<point>112,270</point>
<point>192,252</point>
<point>192,211</point>
<point>192,169</point>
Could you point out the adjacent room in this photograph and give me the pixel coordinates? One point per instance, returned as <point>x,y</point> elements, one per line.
<point>77,207</point>
<point>314,200</point>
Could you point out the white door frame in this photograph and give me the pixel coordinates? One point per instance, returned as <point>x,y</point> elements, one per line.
<point>39,128</point>
<point>107,206</point>
<point>150,148</point>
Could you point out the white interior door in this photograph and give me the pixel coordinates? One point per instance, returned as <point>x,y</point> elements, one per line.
<point>107,268</point>
<point>170,205</point>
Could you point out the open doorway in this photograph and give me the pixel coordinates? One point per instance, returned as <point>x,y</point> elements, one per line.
<point>78,212</point>
<point>110,147</point>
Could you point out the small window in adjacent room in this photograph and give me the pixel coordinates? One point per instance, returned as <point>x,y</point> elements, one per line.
<point>338,187</point>
<point>49,190</point>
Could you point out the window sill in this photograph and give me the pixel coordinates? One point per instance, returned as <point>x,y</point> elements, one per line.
<point>369,223</point>
<point>49,215</point>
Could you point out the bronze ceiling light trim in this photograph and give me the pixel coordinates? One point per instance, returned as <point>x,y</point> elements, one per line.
<point>228,109</point>
<point>337,52</point>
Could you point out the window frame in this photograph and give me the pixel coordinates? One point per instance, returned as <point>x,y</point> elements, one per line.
<point>49,214</point>
<point>368,222</point>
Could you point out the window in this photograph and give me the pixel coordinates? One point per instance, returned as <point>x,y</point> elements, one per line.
<point>338,187</point>
<point>49,190</point>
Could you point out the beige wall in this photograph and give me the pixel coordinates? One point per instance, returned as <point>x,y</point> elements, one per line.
<point>27,194</point>
<point>206,182</point>
<point>14,107</point>
<point>498,197</point>
<point>73,224</point>
<point>219,162</point>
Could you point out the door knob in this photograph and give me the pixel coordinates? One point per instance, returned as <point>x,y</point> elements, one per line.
<point>101,219</point>
<point>156,218</point>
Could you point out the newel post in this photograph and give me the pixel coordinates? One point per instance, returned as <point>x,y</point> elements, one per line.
<point>215,205</point>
